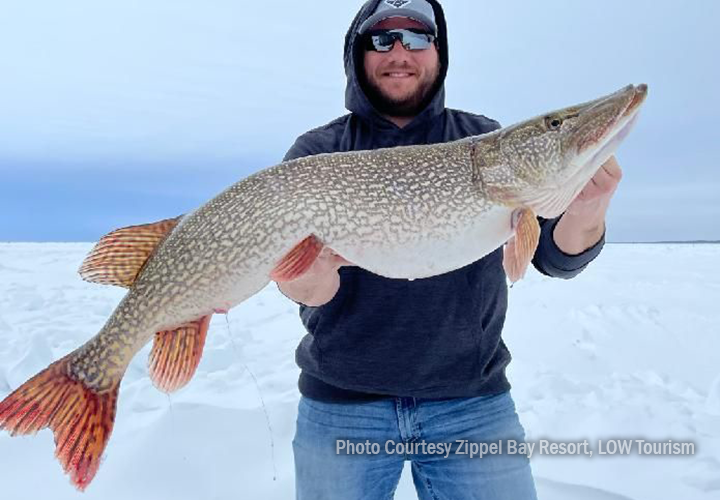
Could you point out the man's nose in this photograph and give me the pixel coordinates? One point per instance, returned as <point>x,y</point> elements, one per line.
<point>398,50</point>
<point>397,45</point>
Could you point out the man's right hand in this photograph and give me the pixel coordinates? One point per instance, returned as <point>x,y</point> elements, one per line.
<point>319,284</point>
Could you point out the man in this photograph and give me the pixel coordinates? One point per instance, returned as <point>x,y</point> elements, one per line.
<point>398,362</point>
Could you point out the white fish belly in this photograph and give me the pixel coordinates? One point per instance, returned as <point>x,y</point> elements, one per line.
<point>432,255</point>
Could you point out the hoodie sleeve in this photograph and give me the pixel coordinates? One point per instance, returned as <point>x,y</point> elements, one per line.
<point>303,146</point>
<point>325,139</point>
<point>553,262</point>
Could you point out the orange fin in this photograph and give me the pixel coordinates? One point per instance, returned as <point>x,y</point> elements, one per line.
<point>119,256</point>
<point>176,354</point>
<point>298,260</point>
<point>520,249</point>
<point>81,419</point>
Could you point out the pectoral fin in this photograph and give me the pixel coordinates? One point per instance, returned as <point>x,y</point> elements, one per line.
<point>520,248</point>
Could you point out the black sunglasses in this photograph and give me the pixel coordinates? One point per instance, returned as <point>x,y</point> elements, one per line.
<point>384,40</point>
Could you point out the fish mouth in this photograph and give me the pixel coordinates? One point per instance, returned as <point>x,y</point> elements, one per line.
<point>608,122</point>
<point>638,97</point>
<point>621,110</point>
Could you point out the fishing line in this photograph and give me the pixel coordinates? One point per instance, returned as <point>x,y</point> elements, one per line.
<point>173,424</point>
<point>172,416</point>
<point>259,392</point>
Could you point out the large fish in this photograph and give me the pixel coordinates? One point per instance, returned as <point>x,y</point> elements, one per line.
<point>406,212</point>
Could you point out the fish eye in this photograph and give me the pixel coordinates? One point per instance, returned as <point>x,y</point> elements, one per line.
<point>553,122</point>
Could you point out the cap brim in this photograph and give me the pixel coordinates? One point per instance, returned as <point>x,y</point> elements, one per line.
<point>411,14</point>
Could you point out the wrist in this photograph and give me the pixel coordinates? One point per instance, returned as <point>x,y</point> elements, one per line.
<point>312,289</point>
<point>574,234</point>
<point>583,224</point>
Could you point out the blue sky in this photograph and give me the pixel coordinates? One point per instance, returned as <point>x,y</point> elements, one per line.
<point>124,112</point>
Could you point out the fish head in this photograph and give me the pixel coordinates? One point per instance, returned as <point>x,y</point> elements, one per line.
<point>543,163</point>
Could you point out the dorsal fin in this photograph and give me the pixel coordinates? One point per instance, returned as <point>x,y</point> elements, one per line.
<point>120,255</point>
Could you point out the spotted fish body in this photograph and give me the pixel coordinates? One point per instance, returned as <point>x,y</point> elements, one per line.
<point>408,212</point>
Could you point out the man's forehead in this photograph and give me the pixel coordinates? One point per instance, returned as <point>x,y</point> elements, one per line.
<point>398,23</point>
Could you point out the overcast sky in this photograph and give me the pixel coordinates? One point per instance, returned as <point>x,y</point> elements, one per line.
<point>122,112</point>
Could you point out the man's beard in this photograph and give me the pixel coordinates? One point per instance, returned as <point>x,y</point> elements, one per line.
<point>408,106</point>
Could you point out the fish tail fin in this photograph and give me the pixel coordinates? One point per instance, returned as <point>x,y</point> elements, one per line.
<point>80,418</point>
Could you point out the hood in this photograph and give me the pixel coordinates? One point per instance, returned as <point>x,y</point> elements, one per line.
<point>356,101</point>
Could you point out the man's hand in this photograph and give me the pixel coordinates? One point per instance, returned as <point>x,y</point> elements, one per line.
<point>583,223</point>
<point>319,284</point>
<point>595,197</point>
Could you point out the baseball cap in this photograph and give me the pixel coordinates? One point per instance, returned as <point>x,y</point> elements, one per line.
<point>420,10</point>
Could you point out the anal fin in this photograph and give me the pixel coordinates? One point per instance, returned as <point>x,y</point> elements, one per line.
<point>176,354</point>
<point>520,249</point>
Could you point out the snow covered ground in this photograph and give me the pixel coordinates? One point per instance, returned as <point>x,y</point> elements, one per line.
<point>629,349</point>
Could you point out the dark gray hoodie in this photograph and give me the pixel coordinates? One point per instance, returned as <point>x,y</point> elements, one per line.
<point>438,337</point>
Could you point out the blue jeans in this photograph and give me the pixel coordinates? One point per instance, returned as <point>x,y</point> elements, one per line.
<point>379,433</point>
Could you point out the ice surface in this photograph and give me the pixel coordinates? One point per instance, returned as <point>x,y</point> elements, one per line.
<point>629,349</point>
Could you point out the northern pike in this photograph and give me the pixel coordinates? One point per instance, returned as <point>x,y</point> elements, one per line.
<point>406,212</point>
